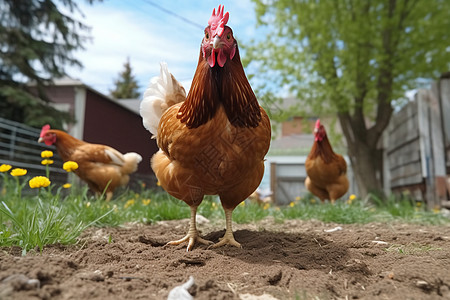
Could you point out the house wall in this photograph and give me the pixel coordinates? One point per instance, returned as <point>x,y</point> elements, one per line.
<point>293,126</point>
<point>106,122</point>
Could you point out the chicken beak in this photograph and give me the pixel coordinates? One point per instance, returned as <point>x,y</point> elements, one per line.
<point>216,42</point>
<point>40,140</point>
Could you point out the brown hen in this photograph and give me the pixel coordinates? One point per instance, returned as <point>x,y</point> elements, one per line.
<point>102,167</point>
<point>326,170</point>
<point>212,142</point>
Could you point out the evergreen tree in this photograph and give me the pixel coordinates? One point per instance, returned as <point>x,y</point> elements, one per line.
<point>37,41</point>
<point>126,85</point>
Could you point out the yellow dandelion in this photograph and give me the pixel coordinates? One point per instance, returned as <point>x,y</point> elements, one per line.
<point>291,204</point>
<point>18,172</point>
<point>436,210</point>
<point>88,204</point>
<point>67,185</point>
<point>297,198</point>
<point>313,201</point>
<point>47,162</point>
<point>129,203</point>
<point>418,204</point>
<point>5,168</point>
<point>70,166</point>
<point>146,202</point>
<point>158,183</point>
<point>266,206</point>
<point>213,205</point>
<point>242,203</point>
<point>46,154</point>
<point>352,197</point>
<point>39,181</point>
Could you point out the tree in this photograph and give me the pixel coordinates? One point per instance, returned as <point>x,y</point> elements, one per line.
<point>353,58</point>
<point>126,85</point>
<point>37,42</point>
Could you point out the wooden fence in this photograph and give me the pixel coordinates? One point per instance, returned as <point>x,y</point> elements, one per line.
<point>417,144</point>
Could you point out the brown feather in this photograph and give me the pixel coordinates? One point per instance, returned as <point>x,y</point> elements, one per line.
<point>324,150</point>
<point>225,85</point>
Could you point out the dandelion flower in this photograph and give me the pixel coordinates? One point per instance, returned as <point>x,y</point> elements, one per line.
<point>146,202</point>
<point>129,203</point>
<point>242,203</point>
<point>67,185</point>
<point>419,204</point>
<point>38,182</point>
<point>313,201</point>
<point>47,162</point>
<point>18,172</point>
<point>88,204</point>
<point>352,197</point>
<point>297,198</point>
<point>158,183</point>
<point>266,206</point>
<point>5,168</point>
<point>46,154</point>
<point>70,166</point>
<point>291,204</point>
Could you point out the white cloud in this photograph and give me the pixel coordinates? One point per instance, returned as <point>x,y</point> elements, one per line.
<point>148,36</point>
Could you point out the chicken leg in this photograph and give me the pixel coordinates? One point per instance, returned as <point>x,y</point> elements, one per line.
<point>192,235</point>
<point>228,238</point>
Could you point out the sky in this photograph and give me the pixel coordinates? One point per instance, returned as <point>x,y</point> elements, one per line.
<point>149,35</point>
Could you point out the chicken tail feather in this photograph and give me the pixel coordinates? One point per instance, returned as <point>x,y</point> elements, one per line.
<point>131,162</point>
<point>163,91</point>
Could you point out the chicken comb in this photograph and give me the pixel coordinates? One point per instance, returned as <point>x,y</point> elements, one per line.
<point>44,130</point>
<point>218,21</point>
<point>317,124</point>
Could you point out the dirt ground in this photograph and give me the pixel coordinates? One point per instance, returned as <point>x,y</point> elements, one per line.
<point>294,260</point>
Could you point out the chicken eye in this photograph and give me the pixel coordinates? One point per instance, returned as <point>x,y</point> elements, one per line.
<point>207,35</point>
<point>228,36</point>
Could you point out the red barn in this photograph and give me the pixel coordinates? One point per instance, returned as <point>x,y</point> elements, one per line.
<point>103,120</point>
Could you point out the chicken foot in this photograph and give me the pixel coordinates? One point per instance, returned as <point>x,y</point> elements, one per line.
<point>192,235</point>
<point>228,238</point>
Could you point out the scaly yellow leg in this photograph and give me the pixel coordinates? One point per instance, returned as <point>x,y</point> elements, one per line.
<point>192,235</point>
<point>228,238</point>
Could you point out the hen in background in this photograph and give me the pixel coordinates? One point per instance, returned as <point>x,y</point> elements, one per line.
<point>103,168</point>
<point>213,141</point>
<point>326,171</point>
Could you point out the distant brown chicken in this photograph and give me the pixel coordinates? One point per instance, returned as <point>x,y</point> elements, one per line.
<point>326,170</point>
<point>102,167</point>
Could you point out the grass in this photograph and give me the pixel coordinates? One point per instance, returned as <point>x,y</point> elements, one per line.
<point>34,218</point>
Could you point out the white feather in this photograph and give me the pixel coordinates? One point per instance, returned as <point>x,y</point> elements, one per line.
<point>115,156</point>
<point>132,156</point>
<point>162,92</point>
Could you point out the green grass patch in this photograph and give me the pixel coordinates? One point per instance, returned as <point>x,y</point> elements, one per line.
<point>34,218</point>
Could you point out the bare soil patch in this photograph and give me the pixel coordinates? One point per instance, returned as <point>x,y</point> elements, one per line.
<point>294,260</point>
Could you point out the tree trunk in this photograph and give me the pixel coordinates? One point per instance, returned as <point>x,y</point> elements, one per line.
<point>366,159</point>
<point>367,166</point>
